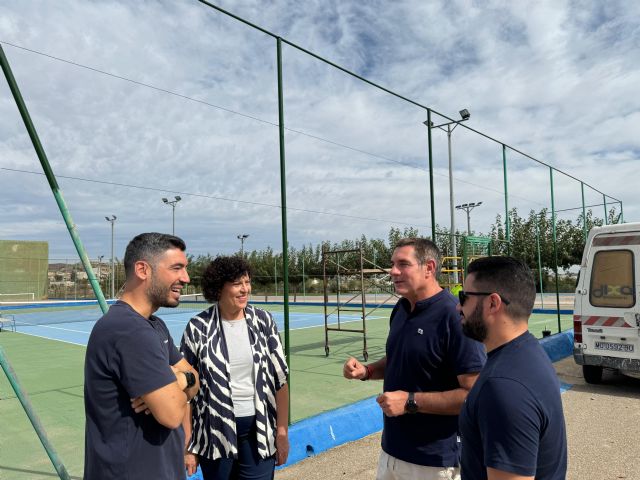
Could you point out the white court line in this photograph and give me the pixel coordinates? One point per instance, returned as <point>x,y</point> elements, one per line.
<point>54,339</point>
<point>35,325</point>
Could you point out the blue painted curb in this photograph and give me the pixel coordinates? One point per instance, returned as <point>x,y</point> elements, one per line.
<point>558,346</point>
<point>319,433</point>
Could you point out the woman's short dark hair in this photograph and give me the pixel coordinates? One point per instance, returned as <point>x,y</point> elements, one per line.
<point>220,271</point>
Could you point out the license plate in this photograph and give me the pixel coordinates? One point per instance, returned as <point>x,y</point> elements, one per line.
<point>615,347</point>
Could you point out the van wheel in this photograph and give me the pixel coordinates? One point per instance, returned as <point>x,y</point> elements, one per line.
<point>592,373</point>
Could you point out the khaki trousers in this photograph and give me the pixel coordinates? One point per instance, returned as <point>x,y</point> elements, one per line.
<point>391,468</point>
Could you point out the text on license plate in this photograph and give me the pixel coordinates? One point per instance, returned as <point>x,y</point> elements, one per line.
<point>616,347</point>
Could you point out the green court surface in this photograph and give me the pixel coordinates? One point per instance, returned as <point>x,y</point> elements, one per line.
<point>52,374</point>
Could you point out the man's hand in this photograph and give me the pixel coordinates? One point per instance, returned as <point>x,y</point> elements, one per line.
<point>180,378</point>
<point>282,448</point>
<point>354,370</point>
<point>393,403</point>
<point>190,463</point>
<point>138,406</point>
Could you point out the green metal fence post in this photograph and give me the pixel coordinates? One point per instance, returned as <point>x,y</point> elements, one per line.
<point>53,183</point>
<point>555,249</point>
<point>507,222</point>
<point>33,417</point>
<point>283,197</point>
<point>539,265</point>
<point>585,231</point>
<point>431,193</point>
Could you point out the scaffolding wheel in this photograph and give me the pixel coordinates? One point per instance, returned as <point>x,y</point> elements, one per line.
<point>326,350</point>
<point>365,355</point>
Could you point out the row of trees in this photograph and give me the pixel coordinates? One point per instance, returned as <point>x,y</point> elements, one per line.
<point>527,235</point>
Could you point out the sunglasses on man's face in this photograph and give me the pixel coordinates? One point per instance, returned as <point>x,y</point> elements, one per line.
<point>464,296</point>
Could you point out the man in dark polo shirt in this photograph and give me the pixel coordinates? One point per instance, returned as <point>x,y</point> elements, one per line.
<point>512,424</point>
<point>137,384</point>
<point>429,368</point>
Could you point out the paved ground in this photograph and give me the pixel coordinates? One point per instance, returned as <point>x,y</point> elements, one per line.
<point>603,425</point>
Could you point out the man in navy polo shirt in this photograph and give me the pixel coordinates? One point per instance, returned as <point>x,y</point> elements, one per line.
<point>137,384</point>
<point>512,423</point>
<point>429,368</point>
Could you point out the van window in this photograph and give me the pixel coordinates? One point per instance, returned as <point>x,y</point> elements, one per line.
<point>612,279</point>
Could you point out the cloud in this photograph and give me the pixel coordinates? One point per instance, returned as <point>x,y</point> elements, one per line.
<point>554,80</point>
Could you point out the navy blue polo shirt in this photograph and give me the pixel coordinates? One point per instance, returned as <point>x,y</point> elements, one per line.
<point>513,419</point>
<point>127,356</point>
<point>426,351</point>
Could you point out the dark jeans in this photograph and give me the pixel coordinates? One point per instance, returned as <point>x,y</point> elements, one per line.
<point>248,466</point>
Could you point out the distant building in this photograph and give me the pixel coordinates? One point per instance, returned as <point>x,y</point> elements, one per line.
<point>24,269</point>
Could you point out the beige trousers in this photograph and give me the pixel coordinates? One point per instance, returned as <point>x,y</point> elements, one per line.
<point>391,468</point>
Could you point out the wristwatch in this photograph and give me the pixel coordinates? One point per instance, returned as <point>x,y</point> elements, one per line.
<point>191,379</point>
<point>411,406</point>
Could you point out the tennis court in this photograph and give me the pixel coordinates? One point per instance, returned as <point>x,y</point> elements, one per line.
<point>47,354</point>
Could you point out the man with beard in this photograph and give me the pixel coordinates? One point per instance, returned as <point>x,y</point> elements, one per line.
<point>428,370</point>
<point>137,385</point>
<point>512,424</point>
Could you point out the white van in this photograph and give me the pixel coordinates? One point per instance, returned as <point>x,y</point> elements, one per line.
<point>606,316</point>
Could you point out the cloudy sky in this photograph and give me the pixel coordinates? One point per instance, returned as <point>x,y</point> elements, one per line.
<point>135,101</point>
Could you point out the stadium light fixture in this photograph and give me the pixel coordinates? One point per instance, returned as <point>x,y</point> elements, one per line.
<point>173,207</point>
<point>113,277</point>
<point>242,239</point>
<point>467,207</point>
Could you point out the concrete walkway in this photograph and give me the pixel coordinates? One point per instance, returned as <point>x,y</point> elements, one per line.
<point>603,429</point>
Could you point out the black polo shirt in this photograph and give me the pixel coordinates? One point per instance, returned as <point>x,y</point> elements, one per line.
<point>426,351</point>
<point>127,356</point>
<point>513,419</point>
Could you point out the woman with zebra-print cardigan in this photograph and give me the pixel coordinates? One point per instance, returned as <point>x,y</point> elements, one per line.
<point>236,427</point>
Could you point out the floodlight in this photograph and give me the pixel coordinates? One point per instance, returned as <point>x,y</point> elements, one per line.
<point>464,113</point>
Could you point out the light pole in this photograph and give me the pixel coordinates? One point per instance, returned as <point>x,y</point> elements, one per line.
<point>242,238</point>
<point>465,115</point>
<point>113,282</point>
<point>467,207</point>
<point>100,257</point>
<point>173,208</point>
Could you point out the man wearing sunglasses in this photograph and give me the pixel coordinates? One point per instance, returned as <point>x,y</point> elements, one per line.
<point>512,423</point>
<point>428,370</point>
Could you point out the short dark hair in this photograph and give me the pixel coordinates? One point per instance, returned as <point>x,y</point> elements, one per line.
<point>425,250</point>
<point>220,271</point>
<point>510,278</point>
<point>148,247</point>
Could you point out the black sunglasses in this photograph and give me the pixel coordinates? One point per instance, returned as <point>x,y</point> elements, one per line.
<point>463,296</point>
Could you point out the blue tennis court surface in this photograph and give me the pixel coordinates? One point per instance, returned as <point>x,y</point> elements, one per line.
<point>78,330</point>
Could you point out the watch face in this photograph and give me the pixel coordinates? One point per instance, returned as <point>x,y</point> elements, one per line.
<point>191,379</point>
<point>411,406</point>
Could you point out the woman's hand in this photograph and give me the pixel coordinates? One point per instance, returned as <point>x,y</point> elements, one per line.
<point>190,463</point>
<point>282,448</point>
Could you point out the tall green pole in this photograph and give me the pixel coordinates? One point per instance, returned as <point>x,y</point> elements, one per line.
<point>506,198</point>
<point>431,194</point>
<point>555,248</point>
<point>33,417</point>
<point>53,183</point>
<point>585,231</point>
<point>539,265</point>
<point>283,197</point>
<point>604,202</point>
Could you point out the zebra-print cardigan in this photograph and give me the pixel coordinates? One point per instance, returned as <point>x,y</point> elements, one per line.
<point>213,422</point>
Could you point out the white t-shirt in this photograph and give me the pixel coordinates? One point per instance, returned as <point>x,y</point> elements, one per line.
<point>241,364</point>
